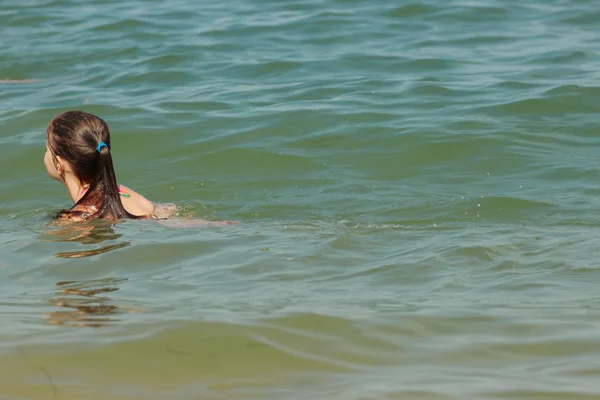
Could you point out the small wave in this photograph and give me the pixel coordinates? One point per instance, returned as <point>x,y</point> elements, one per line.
<point>121,25</point>
<point>411,11</point>
<point>551,106</point>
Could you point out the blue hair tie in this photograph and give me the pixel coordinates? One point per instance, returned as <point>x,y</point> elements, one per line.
<point>100,146</point>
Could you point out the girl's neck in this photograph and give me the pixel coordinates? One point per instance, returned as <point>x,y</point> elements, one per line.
<point>75,187</point>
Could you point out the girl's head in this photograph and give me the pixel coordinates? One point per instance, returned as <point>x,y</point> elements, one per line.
<point>75,150</point>
<point>71,143</point>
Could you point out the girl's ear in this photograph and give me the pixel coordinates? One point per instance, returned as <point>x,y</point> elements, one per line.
<point>59,163</point>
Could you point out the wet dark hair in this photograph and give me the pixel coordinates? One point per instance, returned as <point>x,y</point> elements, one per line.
<point>75,136</point>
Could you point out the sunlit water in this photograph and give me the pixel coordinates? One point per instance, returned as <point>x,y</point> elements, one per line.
<point>417,186</point>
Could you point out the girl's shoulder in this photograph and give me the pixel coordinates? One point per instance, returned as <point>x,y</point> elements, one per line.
<point>134,202</point>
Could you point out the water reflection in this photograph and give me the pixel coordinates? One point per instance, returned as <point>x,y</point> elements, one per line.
<point>89,253</point>
<point>83,303</point>
<point>94,232</point>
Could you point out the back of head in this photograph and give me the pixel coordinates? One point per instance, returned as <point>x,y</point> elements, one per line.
<point>77,137</point>
<point>74,136</point>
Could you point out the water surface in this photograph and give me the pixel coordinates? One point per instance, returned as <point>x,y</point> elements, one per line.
<point>417,185</point>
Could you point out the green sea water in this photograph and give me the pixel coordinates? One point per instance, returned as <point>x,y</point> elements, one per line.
<point>417,185</point>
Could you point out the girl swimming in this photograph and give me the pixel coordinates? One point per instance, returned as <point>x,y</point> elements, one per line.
<point>78,154</point>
